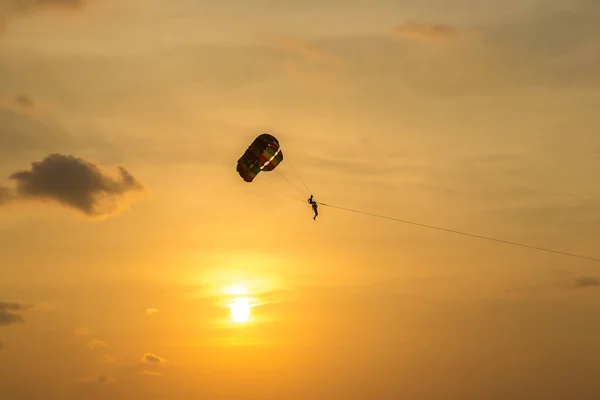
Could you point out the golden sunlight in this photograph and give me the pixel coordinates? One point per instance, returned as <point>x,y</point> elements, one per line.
<point>239,301</point>
<point>236,290</point>
<point>240,310</point>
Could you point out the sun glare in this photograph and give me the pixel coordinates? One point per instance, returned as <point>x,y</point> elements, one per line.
<point>240,310</point>
<point>236,290</point>
<point>240,301</point>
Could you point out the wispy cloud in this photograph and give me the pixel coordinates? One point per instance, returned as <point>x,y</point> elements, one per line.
<point>30,5</point>
<point>308,63</point>
<point>428,32</point>
<point>20,102</point>
<point>299,47</point>
<point>151,311</point>
<point>304,49</point>
<point>587,282</point>
<point>10,313</point>
<point>14,8</point>
<point>152,373</point>
<point>100,379</point>
<point>150,358</point>
<point>103,379</point>
<point>95,344</point>
<point>72,182</point>
<point>24,101</point>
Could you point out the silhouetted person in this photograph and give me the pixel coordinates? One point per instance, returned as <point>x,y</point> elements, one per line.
<point>314,206</point>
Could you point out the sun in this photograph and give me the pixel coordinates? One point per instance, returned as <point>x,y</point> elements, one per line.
<point>240,302</point>
<point>240,310</point>
<point>236,290</point>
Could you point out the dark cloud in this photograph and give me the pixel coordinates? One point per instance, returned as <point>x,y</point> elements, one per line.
<point>150,358</point>
<point>24,101</point>
<point>10,313</point>
<point>587,281</point>
<point>12,306</point>
<point>75,183</point>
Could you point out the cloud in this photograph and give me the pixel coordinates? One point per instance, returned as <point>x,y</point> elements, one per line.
<point>32,4</point>
<point>420,31</point>
<point>152,373</point>
<point>101,379</point>
<point>299,47</point>
<point>1,345</point>
<point>586,282</point>
<point>11,8</point>
<point>10,313</point>
<point>12,306</point>
<point>151,311</point>
<point>304,49</point>
<point>20,102</point>
<point>309,65</point>
<point>75,183</point>
<point>150,358</point>
<point>24,101</point>
<point>15,7</point>
<point>97,344</point>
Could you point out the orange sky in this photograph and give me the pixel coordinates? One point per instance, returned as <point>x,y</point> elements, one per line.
<point>124,226</point>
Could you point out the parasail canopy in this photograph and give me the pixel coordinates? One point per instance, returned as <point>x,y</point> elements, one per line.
<point>263,154</point>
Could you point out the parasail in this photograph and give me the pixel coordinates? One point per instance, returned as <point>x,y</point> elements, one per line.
<point>263,154</point>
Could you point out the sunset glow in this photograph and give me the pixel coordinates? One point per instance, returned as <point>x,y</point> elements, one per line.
<point>156,164</point>
<point>240,309</point>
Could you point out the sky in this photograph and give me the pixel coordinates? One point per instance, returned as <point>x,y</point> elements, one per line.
<point>135,263</point>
